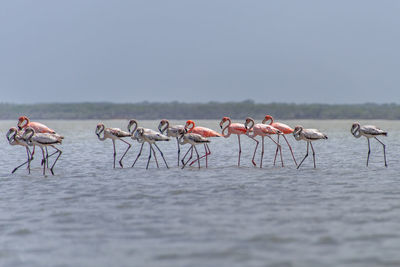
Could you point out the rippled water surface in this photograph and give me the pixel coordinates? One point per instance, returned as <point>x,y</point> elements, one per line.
<point>89,214</point>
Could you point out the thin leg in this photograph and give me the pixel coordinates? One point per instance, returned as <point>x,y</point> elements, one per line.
<point>148,161</point>
<point>183,159</point>
<point>126,151</point>
<point>26,162</point>
<point>191,155</point>
<point>59,154</point>
<point>276,152</point>
<point>179,149</point>
<point>291,151</point>
<point>278,146</point>
<point>384,150</point>
<point>162,155</point>
<point>47,156</point>
<point>154,153</point>
<point>369,151</point>
<point>207,153</point>
<point>313,154</point>
<point>115,153</point>
<point>254,154</point>
<point>44,164</point>
<point>198,158</point>
<point>240,150</point>
<point>137,157</point>
<point>308,144</point>
<point>262,151</point>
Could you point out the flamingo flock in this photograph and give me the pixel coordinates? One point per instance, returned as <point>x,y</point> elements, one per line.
<point>30,134</point>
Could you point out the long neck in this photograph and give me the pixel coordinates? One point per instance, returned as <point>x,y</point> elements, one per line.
<point>101,131</point>
<point>249,127</point>
<point>133,122</point>
<point>162,129</point>
<point>225,128</point>
<point>11,137</point>
<point>356,131</point>
<point>190,128</point>
<point>297,134</point>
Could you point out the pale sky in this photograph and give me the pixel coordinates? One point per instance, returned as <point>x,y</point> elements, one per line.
<point>198,51</point>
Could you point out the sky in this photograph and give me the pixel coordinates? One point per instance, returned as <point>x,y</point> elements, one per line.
<point>343,51</point>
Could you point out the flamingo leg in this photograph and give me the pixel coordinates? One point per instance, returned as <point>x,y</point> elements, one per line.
<point>384,150</point>
<point>148,161</point>
<point>276,151</point>
<point>162,155</point>
<point>54,163</point>
<point>154,153</point>
<point>262,151</point>
<point>308,144</point>
<point>115,153</point>
<point>198,159</point>
<point>291,151</point>
<point>240,150</point>
<point>183,159</point>
<point>47,156</point>
<point>313,154</point>
<point>179,149</point>
<point>254,154</point>
<point>191,155</point>
<point>26,162</point>
<point>44,159</point>
<point>207,153</point>
<point>369,151</point>
<point>278,146</point>
<point>137,157</point>
<point>126,151</point>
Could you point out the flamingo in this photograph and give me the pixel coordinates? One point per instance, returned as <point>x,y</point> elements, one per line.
<point>14,138</point>
<point>143,135</point>
<point>261,130</point>
<point>113,134</point>
<point>205,132</point>
<point>308,135</point>
<point>192,139</point>
<point>369,131</point>
<point>43,140</point>
<point>172,131</point>
<point>233,128</point>
<point>285,129</point>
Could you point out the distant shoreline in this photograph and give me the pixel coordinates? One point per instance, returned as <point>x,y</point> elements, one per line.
<point>211,110</point>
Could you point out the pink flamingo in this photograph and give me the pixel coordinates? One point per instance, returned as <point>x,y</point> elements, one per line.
<point>14,138</point>
<point>205,132</point>
<point>285,129</point>
<point>233,128</point>
<point>261,130</point>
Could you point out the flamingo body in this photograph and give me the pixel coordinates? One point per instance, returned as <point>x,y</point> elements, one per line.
<point>36,126</point>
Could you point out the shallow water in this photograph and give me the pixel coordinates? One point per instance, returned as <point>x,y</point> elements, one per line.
<point>89,214</point>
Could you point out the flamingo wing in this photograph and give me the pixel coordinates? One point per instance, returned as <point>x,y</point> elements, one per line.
<point>205,132</point>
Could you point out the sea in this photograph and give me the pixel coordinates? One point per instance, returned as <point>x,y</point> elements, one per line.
<point>342,213</point>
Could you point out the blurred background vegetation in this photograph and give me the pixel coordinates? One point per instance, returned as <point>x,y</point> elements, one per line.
<point>210,110</point>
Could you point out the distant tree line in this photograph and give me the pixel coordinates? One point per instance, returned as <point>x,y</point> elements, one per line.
<point>210,110</point>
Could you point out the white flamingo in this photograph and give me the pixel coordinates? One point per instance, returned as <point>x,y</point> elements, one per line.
<point>144,135</point>
<point>171,131</point>
<point>14,138</point>
<point>369,131</point>
<point>113,134</point>
<point>192,139</point>
<point>308,135</point>
<point>43,140</point>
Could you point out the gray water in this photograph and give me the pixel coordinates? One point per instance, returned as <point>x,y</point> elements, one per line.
<point>89,214</point>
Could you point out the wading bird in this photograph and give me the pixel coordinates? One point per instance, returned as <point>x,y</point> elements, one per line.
<point>369,131</point>
<point>204,132</point>
<point>43,140</point>
<point>308,135</point>
<point>113,134</point>
<point>143,135</point>
<point>261,130</point>
<point>171,131</point>
<point>285,129</point>
<point>233,128</point>
<point>192,139</point>
<point>14,138</point>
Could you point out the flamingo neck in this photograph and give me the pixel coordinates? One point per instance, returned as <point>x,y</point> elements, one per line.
<point>101,131</point>
<point>163,129</point>
<point>190,129</point>
<point>355,131</point>
<point>225,128</point>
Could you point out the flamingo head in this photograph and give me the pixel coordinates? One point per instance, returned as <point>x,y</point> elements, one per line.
<point>130,124</point>
<point>248,121</point>
<point>161,125</point>
<point>99,128</point>
<point>297,131</point>
<point>268,118</point>
<point>29,132</point>
<point>11,133</point>
<point>21,122</point>
<point>188,123</point>
<point>224,119</point>
<point>355,130</point>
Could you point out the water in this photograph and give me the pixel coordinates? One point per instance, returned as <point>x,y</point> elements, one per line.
<point>88,214</point>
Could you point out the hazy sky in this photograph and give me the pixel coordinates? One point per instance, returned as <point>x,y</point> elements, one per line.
<point>195,51</point>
